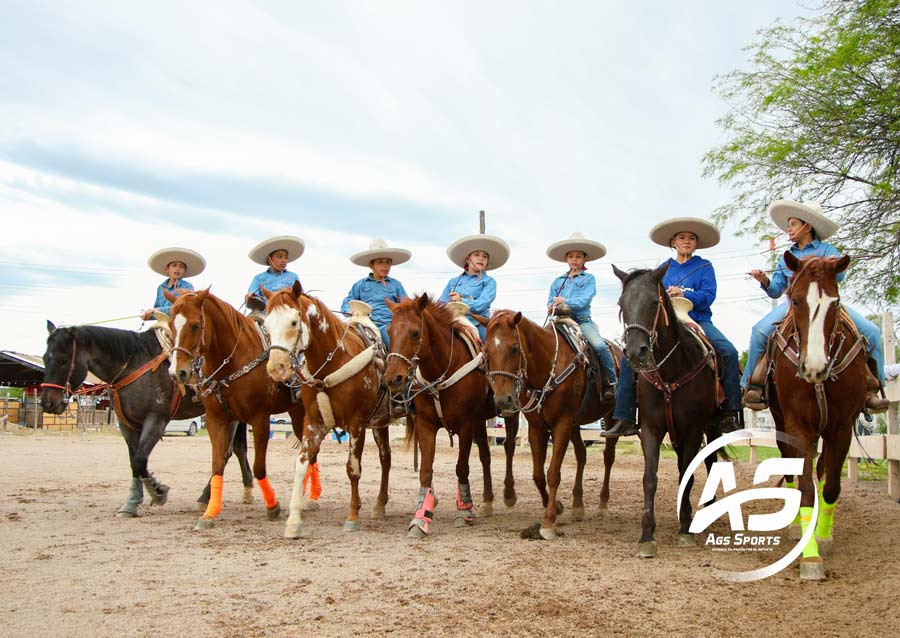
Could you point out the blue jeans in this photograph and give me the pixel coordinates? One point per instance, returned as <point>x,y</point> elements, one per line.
<point>482,331</point>
<point>626,394</point>
<point>384,336</point>
<point>765,326</point>
<point>592,336</point>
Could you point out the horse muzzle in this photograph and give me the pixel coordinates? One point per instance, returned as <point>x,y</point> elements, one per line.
<point>53,404</point>
<point>506,404</point>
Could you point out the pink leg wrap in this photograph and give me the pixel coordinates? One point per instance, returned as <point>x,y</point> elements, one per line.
<point>425,513</point>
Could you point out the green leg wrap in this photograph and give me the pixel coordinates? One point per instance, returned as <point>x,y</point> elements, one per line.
<point>793,486</point>
<point>812,548</point>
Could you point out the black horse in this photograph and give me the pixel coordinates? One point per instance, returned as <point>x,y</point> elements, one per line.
<point>137,373</point>
<point>676,389</point>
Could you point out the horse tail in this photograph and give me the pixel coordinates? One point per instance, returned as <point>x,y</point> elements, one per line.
<point>410,433</point>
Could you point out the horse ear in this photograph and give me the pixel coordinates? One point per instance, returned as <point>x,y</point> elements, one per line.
<point>517,318</point>
<point>297,289</point>
<point>484,321</point>
<point>390,304</point>
<point>660,272</point>
<point>50,326</point>
<point>266,292</point>
<point>202,295</point>
<point>170,296</point>
<point>841,264</point>
<point>791,261</point>
<point>422,303</point>
<point>621,274</point>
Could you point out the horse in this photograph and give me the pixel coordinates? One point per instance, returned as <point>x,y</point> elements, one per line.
<point>340,384</point>
<point>430,363</point>
<point>219,351</point>
<point>818,390</point>
<point>134,367</point>
<point>530,371</point>
<point>686,371</point>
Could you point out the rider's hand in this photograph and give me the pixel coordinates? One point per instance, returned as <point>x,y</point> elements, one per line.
<point>558,300</point>
<point>675,291</point>
<point>147,314</point>
<point>455,296</point>
<point>761,277</point>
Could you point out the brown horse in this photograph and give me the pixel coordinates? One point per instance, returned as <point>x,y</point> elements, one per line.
<point>819,390</point>
<point>340,386</point>
<point>534,371</point>
<point>219,351</point>
<point>429,360</point>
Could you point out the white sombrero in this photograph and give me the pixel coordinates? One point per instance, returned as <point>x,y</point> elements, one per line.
<point>576,241</point>
<point>707,234</point>
<point>378,249</point>
<point>293,245</point>
<point>496,248</point>
<point>190,258</point>
<point>810,212</point>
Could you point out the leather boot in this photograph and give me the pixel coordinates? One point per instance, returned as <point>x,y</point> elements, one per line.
<point>875,403</point>
<point>753,398</point>
<point>621,427</point>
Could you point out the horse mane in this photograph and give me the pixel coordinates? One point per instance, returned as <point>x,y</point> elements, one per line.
<point>634,274</point>
<point>335,324</point>
<point>118,343</point>
<point>438,310</point>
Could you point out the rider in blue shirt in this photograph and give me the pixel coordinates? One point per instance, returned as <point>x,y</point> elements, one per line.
<point>576,289</point>
<point>175,264</point>
<point>693,278</point>
<point>378,287</point>
<point>475,254</point>
<point>276,253</point>
<point>807,228</point>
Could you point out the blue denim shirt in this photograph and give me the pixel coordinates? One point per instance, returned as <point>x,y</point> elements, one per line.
<point>578,291</point>
<point>164,304</point>
<point>374,293</point>
<point>272,281</point>
<point>779,280</point>
<point>698,279</point>
<point>478,291</point>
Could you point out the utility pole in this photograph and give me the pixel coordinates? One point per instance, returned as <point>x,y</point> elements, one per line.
<point>481,222</point>
<point>773,261</point>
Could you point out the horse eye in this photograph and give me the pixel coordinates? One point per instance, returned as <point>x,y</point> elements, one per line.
<point>416,334</point>
<point>514,349</point>
<point>294,323</point>
<point>795,303</point>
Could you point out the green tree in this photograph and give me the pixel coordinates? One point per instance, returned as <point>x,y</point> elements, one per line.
<point>817,118</point>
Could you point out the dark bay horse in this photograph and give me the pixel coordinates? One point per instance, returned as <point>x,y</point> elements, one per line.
<point>219,352</point>
<point>819,390</point>
<point>451,390</point>
<point>341,385</point>
<point>136,370</point>
<point>677,392</point>
<point>533,370</point>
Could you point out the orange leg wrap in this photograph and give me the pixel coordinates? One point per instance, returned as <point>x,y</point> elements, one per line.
<point>215,497</point>
<point>314,481</point>
<point>268,492</point>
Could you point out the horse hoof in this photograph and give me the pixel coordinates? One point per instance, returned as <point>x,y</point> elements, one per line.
<point>686,540</point>
<point>272,513</point>
<point>560,508</point>
<point>416,533</point>
<point>548,533</point>
<point>311,506</point>
<point>577,513</point>
<point>794,532</point>
<point>204,523</point>
<point>126,514</point>
<point>160,495</point>
<point>812,569</point>
<point>486,509</point>
<point>292,530</point>
<point>510,501</point>
<point>826,546</point>
<point>351,526</point>
<point>462,521</point>
<point>378,512</point>
<point>647,550</point>
<point>248,495</point>
<point>603,505</point>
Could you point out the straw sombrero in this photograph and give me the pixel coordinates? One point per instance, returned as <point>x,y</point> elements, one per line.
<point>707,234</point>
<point>379,249</point>
<point>576,241</point>
<point>496,248</point>
<point>190,258</point>
<point>810,212</point>
<point>293,245</point>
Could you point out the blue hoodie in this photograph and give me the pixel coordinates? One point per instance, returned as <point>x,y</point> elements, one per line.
<point>698,279</point>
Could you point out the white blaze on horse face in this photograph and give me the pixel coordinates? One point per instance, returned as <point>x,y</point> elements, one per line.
<point>818,304</point>
<point>178,323</point>
<point>497,343</point>
<point>286,330</point>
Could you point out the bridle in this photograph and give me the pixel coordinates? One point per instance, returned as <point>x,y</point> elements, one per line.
<point>67,388</point>
<point>205,383</point>
<point>652,333</point>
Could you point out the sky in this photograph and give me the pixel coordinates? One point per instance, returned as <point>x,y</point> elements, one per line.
<point>129,127</point>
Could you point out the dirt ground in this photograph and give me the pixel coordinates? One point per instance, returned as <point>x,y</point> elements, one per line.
<point>71,568</point>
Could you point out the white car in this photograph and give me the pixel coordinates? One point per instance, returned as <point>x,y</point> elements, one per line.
<point>188,426</point>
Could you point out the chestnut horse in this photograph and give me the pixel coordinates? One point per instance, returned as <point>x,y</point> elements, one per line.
<point>819,390</point>
<point>677,391</point>
<point>219,351</point>
<point>534,371</point>
<point>340,386</point>
<point>134,368</point>
<point>430,360</point>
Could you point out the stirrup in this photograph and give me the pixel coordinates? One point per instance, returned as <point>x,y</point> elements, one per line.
<point>876,404</point>
<point>754,398</point>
